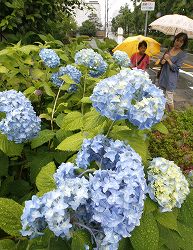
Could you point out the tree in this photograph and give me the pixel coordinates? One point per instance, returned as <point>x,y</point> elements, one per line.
<point>123,19</point>
<point>135,21</point>
<point>95,19</point>
<point>88,28</point>
<point>129,21</point>
<point>33,15</point>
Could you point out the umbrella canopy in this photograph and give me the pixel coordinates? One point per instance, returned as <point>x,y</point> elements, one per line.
<point>130,45</point>
<point>173,24</point>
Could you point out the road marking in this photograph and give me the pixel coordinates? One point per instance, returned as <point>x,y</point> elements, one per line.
<point>186,73</point>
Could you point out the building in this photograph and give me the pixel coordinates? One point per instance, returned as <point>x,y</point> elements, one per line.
<point>82,15</point>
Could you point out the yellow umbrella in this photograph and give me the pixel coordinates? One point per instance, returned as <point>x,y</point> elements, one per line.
<point>130,45</point>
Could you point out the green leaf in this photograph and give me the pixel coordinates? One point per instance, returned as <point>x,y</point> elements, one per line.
<point>187,236</point>
<point>61,134</point>
<point>161,128</point>
<point>149,206</point>
<point>72,121</point>
<point>4,164</point>
<point>48,90</point>
<point>45,116</point>
<point>3,70</point>
<point>62,156</point>
<point>167,219</point>
<point>86,100</point>
<point>135,140</point>
<point>10,216</point>
<point>7,245</point>
<point>146,236</point>
<point>29,48</point>
<point>80,239</point>
<point>38,160</point>
<point>45,181</point>
<point>125,244</point>
<point>10,148</point>
<point>170,238</point>
<point>92,120</point>
<point>67,79</point>
<point>186,212</point>
<point>43,137</point>
<point>29,90</point>
<point>71,143</point>
<point>19,188</point>
<point>59,120</point>
<point>59,244</point>
<point>37,74</point>
<point>44,38</point>
<point>4,190</point>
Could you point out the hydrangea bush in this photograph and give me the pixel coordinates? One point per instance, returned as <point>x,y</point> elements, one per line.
<point>82,181</point>
<point>112,197</point>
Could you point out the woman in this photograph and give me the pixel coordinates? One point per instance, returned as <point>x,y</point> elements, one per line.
<point>171,62</point>
<point>140,59</point>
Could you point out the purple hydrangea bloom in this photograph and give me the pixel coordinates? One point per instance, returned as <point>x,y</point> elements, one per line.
<point>129,95</point>
<point>92,60</point>
<point>21,123</point>
<point>50,58</point>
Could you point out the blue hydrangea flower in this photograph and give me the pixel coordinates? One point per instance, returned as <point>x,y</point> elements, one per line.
<point>92,60</point>
<point>21,123</point>
<point>69,70</point>
<point>129,95</point>
<point>118,190</point>
<point>56,208</point>
<point>32,218</point>
<point>166,184</point>
<point>121,58</point>
<point>49,57</point>
<point>66,170</point>
<point>56,213</point>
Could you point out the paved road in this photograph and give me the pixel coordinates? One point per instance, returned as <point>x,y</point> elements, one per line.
<point>184,93</point>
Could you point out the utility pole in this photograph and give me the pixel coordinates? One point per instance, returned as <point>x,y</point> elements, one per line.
<point>107,17</point>
<point>146,18</point>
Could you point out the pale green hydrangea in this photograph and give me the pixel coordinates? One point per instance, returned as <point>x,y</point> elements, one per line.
<point>166,184</point>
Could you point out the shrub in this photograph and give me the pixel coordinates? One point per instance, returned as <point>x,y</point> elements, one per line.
<point>177,145</point>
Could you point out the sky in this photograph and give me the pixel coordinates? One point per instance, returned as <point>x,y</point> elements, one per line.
<point>114,7</point>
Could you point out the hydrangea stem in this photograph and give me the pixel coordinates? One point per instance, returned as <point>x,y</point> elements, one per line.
<point>53,111</point>
<point>86,171</point>
<point>109,130</point>
<point>90,231</point>
<point>84,89</point>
